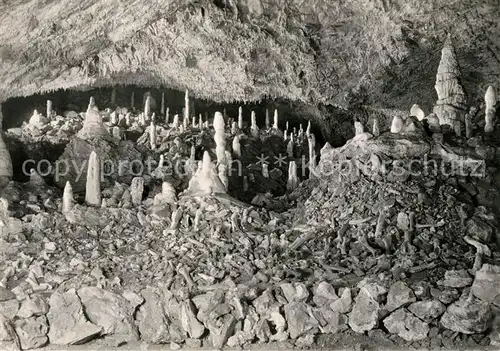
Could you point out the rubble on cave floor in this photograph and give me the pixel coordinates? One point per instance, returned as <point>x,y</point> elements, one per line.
<point>372,247</point>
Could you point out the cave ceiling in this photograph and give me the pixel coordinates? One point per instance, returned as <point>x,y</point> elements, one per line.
<point>381,52</point>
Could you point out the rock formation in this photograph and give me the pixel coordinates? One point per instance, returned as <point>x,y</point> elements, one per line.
<point>136,190</point>
<point>397,125</point>
<point>93,187</point>
<point>186,107</point>
<point>275,124</point>
<point>92,126</point>
<point>236,147</point>
<point>220,138</point>
<point>490,99</point>
<point>358,128</point>
<point>49,109</point>
<point>152,135</point>
<point>253,127</point>
<point>417,112</point>
<point>451,103</point>
<point>240,118</point>
<point>206,180</point>
<point>6,171</point>
<point>162,106</point>
<point>67,200</point>
<point>293,180</point>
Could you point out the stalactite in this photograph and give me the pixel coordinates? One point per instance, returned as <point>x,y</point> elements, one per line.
<point>268,123</point>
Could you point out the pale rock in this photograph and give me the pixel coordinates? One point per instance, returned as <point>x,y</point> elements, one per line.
<point>358,128</point>
<point>110,311</point>
<point>490,100</point>
<point>344,303</point>
<point>417,112</point>
<point>467,316</point>
<point>68,325</point>
<point>406,325</point>
<point>292,181</point>
<point>33,305</point>
<point>457,278</point>
<point>324,294</point>
<point>486,284</point>
<point>296,292</point>
<point>151,319</point>
<point>189,322</point>
<point>397,125</point>
<point>399,295</point>
<point>299,318</point>
<point>32,332</point>
<point>93,185</point>
<point>427,310</point>
<point>366,310</point>
<point>136,190</point>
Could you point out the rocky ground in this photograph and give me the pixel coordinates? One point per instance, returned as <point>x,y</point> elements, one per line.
<point>369,257</point>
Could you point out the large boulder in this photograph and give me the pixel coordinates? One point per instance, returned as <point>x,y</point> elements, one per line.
<point>486,284</point>
<point>366,311</point>
<point>406,325</point>
<point>468,315</point>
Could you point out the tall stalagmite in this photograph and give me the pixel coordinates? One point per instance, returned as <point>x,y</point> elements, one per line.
<point>67,201</point>
<point>451,103</point>
<point>490,100</point>
<point>220,138</point>
<point>93,187</point>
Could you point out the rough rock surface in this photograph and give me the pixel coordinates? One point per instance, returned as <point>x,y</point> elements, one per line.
<point>467,316</point>
<point>406,325</point>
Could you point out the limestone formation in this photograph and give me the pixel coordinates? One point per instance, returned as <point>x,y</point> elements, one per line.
<point>92,103</point>
<point>223,175</point>
<point>136,190</point>
<point>293,180</point>
<point>312,152</point>
<point>49,109</point>
<point>358,128</point>
<point>185,122</point>
<point>128,119</point>
<point>265,170</point>
<point>375,127</point>
<point>490,99</point>
<point>92,125</point>
<point>38,120</point>
<point>268,122</point>
<point>289,147</point>
<point>234,128</point>
<point>132,100</point>
<point>240,118</point>
<point>433,123</point>
<point>451,104</point>
<point>93,187</point>
<point>245,183</point>
<point>206,180</point>
<point>167,195</point>
<point>200,122</point>
<point>152,135</point>
<point>67,201</point>
<point>275,124</point>
<point>116,132</point>
<point>162,106</point>
<point>308,129</point>
<point>147,107</point>
<point>220,138</point>
<point>167,116</point>
<point>197,218</point>
<point>253,127</point>
<point>175,122</point>
<point>236,147</point>
<point>113,119</point>
<point>397,125</point>
<point>469,126</point>
<point>417,112</point>
<point>176,218</point>
<point>186,106</point>
<point>112,99</point>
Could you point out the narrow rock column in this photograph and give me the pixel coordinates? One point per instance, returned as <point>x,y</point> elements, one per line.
<point>293,180</point>
<point>93,186</point>
<point>167,115</point>
<point>308,129</point>
<point>275,124</point>
<point>469,127</point>
<point>193,123</point>
<point>223,175</point>
<point>152,135</point>
<point>265,170</point>
<point>112,99</point>
<point>245,183</point>
<point>268,123</point>
<point>490,99</point>
<point>116,132</point>
<point>253,128</point>
<point>161,161</point>
<point>185,121</point>
<point>132,100</point>
<point>67,200</point>
<point>397,124</point>
<point>113,119</point>
<point>128,119</point>
<point>147,107</point>
<point>240,118</point>
<point>358,128</point>
<point>175,123</point>
<point>186,107</point>
<point>220,138</point>
<point>49,108</point>
<point>312,153</point>
<point>91,102</point>
<point>236,147</point>
<point>136,190</point>
<point>200,122</point>
<point>289,147</point>
<point>375,127</point>
<point>162,106</point>
<point>234,128</point>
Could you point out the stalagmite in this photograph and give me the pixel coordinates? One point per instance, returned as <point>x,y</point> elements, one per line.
<point>193,123</point>
<point>223,175</point>
<point>175,123</point>
<point>253,127</point>
<point>132,100</point>
<point>200,122</point>
<point>457,128</point>
<point>197,218</point>
<point>147,107</point>
<point>265,170</point>
<point>38,120</point>
<point>358,128</point>
<point>136,190</point>
<point>176,218</point>
<point>268,123</point>
<point>375,127</point>
<point>161,161</point>
<point>293,180</point>
<point>234,128</point>
<point>286,126</point>
<point>245,183</point>
<point>312,153</point>
<point>49,108</point>
<point>116,132</point>
<point>167,116</point>
<point>206,180</point>
<point>186,107</point>
<point>185,122</point>
<point>236,147</point>
<point>128,119</point>
<point>162,106</point>
<point>490,99</point>
<point>275,124</point>
<point>235,222</point>
<point>113,119</point>
<point>67,200</point>
<point>289,147</point>
<point>93,187</point>
<point>469,127</point>
<point>220,138</point>
<point>92,125</point>
<point>92,102</point>
<point>112,99</point>
<point>308,130</point>
<point>451,103</point>
<point>416,111</point>
<point>397,124</point>
<point>240,118</point>
<point>167,195</point>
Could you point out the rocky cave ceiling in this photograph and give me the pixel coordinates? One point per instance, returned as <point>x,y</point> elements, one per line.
<point>382,52</point>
